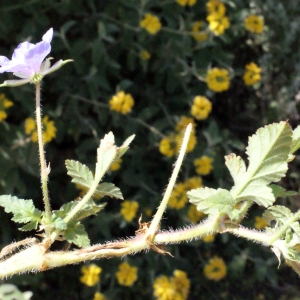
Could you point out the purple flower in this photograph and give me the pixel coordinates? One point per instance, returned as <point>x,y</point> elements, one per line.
<point>28,62</point>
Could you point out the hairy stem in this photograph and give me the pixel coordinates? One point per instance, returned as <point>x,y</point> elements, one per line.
<point>43,165</point>
<point>156,219</point>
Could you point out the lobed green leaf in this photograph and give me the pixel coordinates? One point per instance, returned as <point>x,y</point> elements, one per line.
<point>109,189</point>
<point>211,201</point>
<point>80,173</point>
<point>296,140</point>
<point>23,211</point>
<point>77,235</point>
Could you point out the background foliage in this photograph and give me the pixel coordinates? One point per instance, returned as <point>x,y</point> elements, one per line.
<point>105,40</point>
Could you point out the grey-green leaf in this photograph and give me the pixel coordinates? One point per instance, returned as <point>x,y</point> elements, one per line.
<point>211,201</point>
<point>80,173</point>
<point>109,189</point>
<point>77,235</point>
<point>23,211</point>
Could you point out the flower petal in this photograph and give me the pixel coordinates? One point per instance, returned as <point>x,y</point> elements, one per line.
<point>47,37</point>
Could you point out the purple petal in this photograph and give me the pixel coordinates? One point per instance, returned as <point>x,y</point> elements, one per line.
<point>47,37</point>
<point>3,60</point>
<point>21,50</point>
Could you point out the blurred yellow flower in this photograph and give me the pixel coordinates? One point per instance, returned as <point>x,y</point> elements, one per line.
<point>151,23</point>
<point>217,25</point>
<point>170,145</point>
<point>216,8</point>
<point>201,108</point>
<point>126,274</point>
<point>209,238</point>
<point>175,288</point>
<point>186,2</point>
<point>215,269</point>
<point>254,23</point>
<point>91,274</point>
<point>203,165</point>
<point>121,102</point>
<point>197,34</point>
<point>178,197</point>
<point>4,103</point>
<point>99,296</point>
<point>49,129</point>
<point>129,210</point>
<point>183,123</point>
<point>116,165</point>
<point>194,215</point>
<point>218,79</point>
<point>252,74</point>
<point>164,289</point>
<point>260,223</point>
<point>181,283</point>
<point>145,55</point>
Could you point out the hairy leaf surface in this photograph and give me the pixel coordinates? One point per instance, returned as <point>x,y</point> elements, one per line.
<point>23,211</point>
<point>268,152</point>
<point>211,201</point>
<point>77,235</point>
<point>80,173</point>
<point>109,189</point>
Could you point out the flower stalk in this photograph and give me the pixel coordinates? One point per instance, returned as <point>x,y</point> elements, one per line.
<point>43,165</point>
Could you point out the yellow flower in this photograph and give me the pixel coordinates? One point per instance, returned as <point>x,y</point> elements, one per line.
<point>194,215</point>
<point>4,103</point>
<point>178,197</point>
<point>91,274</point>
<point>215,269</point>
<point>252,74</point>
<point>197,34</point>
<point>254,24</point>
<point>217,25</point>
<point>121,102</point>
<point>145,55</point>
<point>216,8</point>
<point>201,108</point>
<point>49,129</point>
<point>186,2</point>
<point>260,223</point>
<point>127,274</point>
<point>151,23</point>
<point>183,123</point>
<point>168,146</point>
<point>209,238</point>
<point>203,165</point>
<point>116,165</point>
<point>99,296</point>
<point>181,283</point>
<point>129,210</point>
<point>218,79</point>
<point>164,289</point>
<point>193,183</point>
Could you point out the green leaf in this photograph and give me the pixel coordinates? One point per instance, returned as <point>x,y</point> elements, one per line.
<point>80,173</point>
<point>268,151</point>
<point>211,201</point>
<point>23,211</point>
<point>296,140</point>
<point>77,235</point>
<point>279,191</point>
<point>281,215</point>
<point>57,222</point>
<point>108,189</point>
<point>106,153</point>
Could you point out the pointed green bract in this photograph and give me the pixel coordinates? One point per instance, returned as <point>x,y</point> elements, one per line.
<point>268,152</point>
<point>23,211</point>
<point>211,201</point>
<point>296,140</point>
<point>80,173</point>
